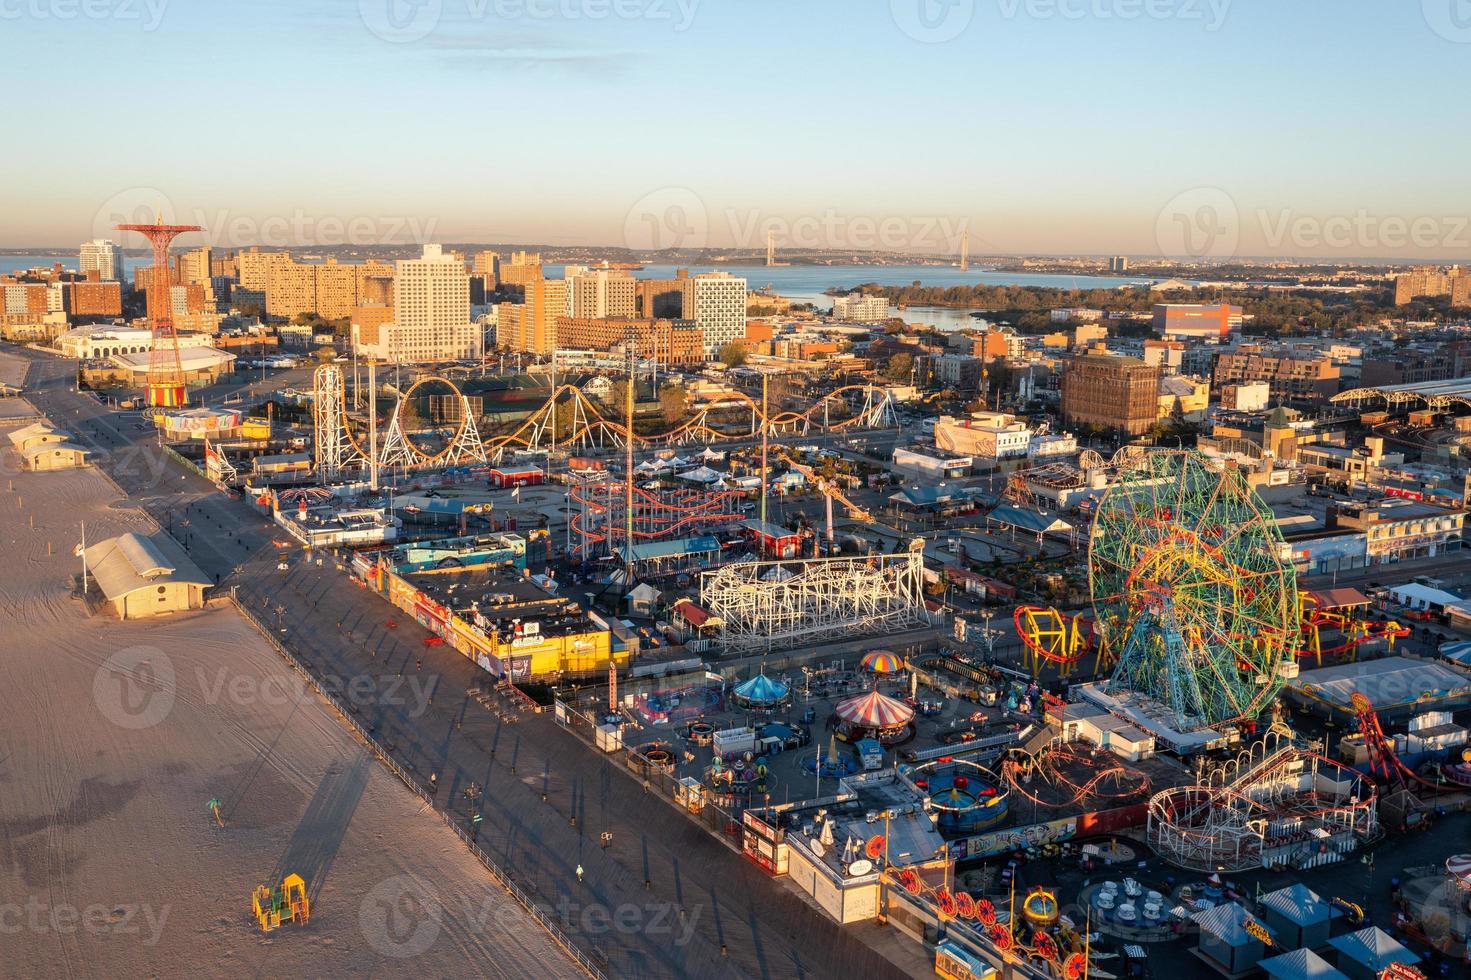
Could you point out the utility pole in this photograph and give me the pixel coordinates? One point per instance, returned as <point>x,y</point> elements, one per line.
<point>628,468</point>
<point>372,424</point>
<point>764,428</point>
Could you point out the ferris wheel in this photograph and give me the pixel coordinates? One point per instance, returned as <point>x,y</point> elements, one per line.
<point>1193,593</point>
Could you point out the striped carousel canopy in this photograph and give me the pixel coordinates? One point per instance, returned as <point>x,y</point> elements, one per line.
<point>874,710</point>
<point>883,662</point>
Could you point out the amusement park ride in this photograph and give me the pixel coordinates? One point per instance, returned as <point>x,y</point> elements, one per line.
<point>581,424</point>
<point>166,387</point>
<point>1194,606</point>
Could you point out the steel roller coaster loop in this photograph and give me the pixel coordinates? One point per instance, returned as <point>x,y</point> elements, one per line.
<point>847,408</point>
<point>1191,589</point>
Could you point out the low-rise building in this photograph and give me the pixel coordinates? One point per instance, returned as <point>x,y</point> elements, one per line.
<point>140,575</point>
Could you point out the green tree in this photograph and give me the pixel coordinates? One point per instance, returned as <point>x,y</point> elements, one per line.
<point>899,367</point>
<point>732,355</point>
<point>673,401</point>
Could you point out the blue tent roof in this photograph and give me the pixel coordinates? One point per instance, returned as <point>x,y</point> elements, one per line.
<point>762,690</point>
<point>1299,904</point>
<point>1373,947</point>
<point>1300,964</point>
<point>1227,923</point>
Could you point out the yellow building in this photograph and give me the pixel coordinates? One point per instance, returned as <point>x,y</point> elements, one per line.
<point>142,576</point>
<point>1183,397</point>
<point>532,325</point>
<point>505,623</point>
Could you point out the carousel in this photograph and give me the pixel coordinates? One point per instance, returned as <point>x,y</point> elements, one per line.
<point>762,693</point>
<point>874,715</point>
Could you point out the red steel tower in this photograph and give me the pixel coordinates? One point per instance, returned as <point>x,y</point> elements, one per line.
<point>166,387</point>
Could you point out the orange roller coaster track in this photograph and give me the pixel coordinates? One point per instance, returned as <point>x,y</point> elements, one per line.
<point>656,515</point>
<point>731,416</point>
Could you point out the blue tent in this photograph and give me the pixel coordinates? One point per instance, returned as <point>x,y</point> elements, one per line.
<point>762,691</point>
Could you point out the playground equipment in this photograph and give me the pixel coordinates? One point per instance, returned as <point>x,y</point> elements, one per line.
<point>1316,620</point>
<point>1191,591</point>
<point>286,903</point>
<point>1051,637</point>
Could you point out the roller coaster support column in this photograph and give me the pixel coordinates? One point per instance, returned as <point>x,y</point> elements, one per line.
<point>765,428</point>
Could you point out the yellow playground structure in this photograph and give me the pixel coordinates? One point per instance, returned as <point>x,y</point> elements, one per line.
<point>288,903</point>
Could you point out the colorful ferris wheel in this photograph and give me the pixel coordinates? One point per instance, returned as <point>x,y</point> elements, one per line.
<point>1193,592</point>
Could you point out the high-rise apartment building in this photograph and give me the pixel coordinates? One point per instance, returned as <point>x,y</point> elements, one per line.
<point>716,301</point>
<point>661,298</point>
<point>255,268</point>
<point>329,289</point>
<point>431,320</point>
<point>1111,391</point>
<point>1433,281</point>
<point>1119,264</point>
<point>103,256</point>
<point>599,294</point>
<point>532,325</point>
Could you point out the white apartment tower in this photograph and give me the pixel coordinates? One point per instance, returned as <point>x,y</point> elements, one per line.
<point>717,302</point>
<point>105,256</point>
<point>599,293</point>
<point>431,310</point>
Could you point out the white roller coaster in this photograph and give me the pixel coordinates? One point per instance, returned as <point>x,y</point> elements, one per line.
<point>773,604</point>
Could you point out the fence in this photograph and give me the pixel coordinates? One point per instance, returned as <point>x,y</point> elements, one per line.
<point>504,880</point>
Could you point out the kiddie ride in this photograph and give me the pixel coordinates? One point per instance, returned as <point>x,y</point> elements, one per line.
<point>1039,935</point>
<point>286,903</point>
<point>1339,623</point>
<point>1052,637</point>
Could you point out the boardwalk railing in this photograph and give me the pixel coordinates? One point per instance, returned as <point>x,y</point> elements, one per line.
<point>584,960</point>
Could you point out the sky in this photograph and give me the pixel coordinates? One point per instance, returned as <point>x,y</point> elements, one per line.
<point>1190,128</point>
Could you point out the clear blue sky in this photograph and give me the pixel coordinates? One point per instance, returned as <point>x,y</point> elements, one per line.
<point>1040,126</point>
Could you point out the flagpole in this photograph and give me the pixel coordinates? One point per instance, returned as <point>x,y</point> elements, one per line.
<point>84,560</point>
